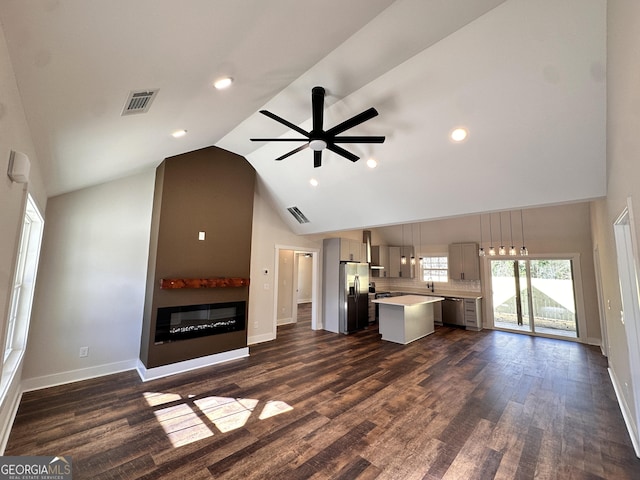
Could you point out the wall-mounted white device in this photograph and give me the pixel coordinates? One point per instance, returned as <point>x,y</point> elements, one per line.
<point>19,167</point>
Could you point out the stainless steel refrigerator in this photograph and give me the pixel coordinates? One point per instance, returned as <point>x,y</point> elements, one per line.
<point>353,296</point>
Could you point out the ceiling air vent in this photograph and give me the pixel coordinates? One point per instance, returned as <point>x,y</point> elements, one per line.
<point>139,102</point>
<point>298,215</point>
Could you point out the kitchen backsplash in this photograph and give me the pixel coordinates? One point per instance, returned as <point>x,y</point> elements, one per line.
<point>383,284</point>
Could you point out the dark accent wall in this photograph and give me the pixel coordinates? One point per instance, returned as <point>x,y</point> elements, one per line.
<point>209,190</point>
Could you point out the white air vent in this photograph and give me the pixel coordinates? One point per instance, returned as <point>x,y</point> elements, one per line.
<point>139,102</point>
<point>298,215</point>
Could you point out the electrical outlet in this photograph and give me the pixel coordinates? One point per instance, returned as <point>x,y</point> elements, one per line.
<point>84,352</point>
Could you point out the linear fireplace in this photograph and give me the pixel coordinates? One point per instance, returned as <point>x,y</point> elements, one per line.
<point>193,321</point>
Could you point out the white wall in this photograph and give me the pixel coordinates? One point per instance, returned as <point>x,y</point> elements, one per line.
<point>14,135</point>
<point>305,277</point>
<point>91,285</point>
<point>623,171</point>
<point>285,287</point>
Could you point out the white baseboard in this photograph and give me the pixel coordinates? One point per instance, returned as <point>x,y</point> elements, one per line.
<point>626,414</point>
<point>147,374</point>
<point>304,300</point>
<point>265,337</point>
<point>9,415</point>
<point>46,381</point>
<point>285,321</point>
<point>595,342</point>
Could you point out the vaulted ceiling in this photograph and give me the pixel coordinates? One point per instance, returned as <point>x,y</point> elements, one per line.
<point>526,79</point>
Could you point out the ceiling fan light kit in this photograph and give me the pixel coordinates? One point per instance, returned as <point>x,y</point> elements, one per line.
<point>317,145</point>
<point>319,139</point>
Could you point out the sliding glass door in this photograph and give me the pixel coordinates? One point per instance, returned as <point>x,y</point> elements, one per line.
<point>535,296</point>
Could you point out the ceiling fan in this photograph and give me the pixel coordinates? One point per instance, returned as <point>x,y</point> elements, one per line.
<point>318,139</point>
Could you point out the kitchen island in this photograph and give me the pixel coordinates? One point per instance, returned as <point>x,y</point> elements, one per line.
<point>406,318</point>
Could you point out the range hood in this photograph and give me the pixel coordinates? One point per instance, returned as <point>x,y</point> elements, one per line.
<point>366,239</point>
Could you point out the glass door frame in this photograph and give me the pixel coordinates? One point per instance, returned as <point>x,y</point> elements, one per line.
<point>577,287</point>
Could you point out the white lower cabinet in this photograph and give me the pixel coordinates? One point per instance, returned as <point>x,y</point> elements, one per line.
<point>473,313</point>
<point>437,313</point>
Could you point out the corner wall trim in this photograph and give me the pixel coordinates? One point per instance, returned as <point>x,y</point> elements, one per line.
<point>596,342</point>
<point>265,337</point>
<point>626,415</point>
<point>147,374</point>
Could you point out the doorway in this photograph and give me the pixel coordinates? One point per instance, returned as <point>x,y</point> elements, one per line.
<point>303,281</point>
<point>296,287</point>
<point>535,296</point>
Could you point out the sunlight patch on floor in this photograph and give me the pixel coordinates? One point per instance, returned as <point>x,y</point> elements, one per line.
<point>192,419</point>
<point>273,408</point>
<point>159,398</point>
<point>182,425</point>
<point>227,413</point>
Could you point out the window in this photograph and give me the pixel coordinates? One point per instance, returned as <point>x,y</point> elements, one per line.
<point>435,268</point>
<point>23,287</point>
<point>17,286</point>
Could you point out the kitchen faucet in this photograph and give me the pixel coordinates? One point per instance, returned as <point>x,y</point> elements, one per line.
<point>430,286</point>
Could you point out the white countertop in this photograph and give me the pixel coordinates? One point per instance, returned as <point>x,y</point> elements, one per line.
<point>473,295</point>
<point>408,300</point>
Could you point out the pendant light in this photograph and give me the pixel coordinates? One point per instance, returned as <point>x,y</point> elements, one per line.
<point>501,250</point>
<point>512,249</point>
<point>420,258</point>
<point>403,258</point>
<point>412,259</point>
<point>492,251</point>
<point>481,250</point>
<point>523,250</point>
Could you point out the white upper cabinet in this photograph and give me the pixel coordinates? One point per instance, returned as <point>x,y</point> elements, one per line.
<point>463,261</point>
<point>352,251</point>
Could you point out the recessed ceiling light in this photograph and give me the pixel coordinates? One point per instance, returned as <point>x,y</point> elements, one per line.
<point>179,133</point>
<point>313,182</point>
<point>223,83</point>
<point>459,134</point>
<point>372,163</point>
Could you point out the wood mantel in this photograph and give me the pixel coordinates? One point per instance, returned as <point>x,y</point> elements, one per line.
<point>172,283</point>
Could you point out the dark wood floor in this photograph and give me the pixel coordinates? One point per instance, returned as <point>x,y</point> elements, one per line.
<point>456,405</point>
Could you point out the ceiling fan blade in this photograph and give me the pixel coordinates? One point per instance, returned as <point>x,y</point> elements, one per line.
<point>279,139</point>
<point>295,150</point>
<point>358,139</point>
<point>284,122</point>
<point>342,152</point>
<point>317,158</point>
<point>352,122</point>
<point>317,108</point>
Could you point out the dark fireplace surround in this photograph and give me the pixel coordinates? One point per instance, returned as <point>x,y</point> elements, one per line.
<point>200,286</point>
